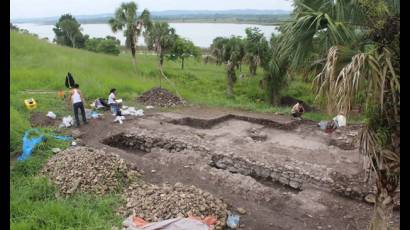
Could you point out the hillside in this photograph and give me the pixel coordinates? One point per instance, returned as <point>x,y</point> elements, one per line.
<point>38,65</point>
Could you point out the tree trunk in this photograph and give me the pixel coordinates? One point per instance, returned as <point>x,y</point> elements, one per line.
<point>182,65</point>
<point>383,210</point>
<point>161,62</point>
<point>72,41</point>
<point>160,76</point>
<point>230,78</point>
<point>133,53</point>
<point>229,90</point>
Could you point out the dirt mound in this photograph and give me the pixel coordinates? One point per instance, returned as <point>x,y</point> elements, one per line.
<point>88,170</point>
<point>159,97</point>
<point>39,119</point>
<point>154,203</point>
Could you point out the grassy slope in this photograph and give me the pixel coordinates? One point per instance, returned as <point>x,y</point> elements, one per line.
<point>37,64</point>
<point>46,65</point>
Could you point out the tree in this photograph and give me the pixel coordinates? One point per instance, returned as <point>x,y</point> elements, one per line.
<point>68,32</point>
<point>13,27</point>
<point>231,52</point>
<point>217,49</point>
<point>91,44</point>
<point>102,45</point>
<point>127,20</point>
<point>108,46</point>
<point>117,41</point>
<point>183,49</point>
<point>161,38</point>
<point>371,69</point>
<point>256,46</point>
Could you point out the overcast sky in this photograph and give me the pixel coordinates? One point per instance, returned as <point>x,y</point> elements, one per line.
<point>49,8</point>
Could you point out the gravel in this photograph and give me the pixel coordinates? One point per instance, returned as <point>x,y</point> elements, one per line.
<point>89,170</point>
<point>84,169</point>
<point>159,97</point>
<point>155,203</point>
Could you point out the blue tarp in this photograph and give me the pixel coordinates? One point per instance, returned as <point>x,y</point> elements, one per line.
<point>36,138</point>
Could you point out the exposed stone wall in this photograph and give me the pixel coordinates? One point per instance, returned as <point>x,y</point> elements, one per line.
<point>145,142</point>
<point>292,173</point>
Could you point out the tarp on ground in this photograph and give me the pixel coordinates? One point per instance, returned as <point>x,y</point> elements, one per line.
<point>135,223</point>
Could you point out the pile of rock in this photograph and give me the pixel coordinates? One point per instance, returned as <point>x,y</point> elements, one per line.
<point>90,170</point>
<point>155,203</point>
<point>159,97</point>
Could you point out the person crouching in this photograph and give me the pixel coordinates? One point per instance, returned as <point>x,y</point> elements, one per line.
<point>115,108</point>
<point>298,110</point>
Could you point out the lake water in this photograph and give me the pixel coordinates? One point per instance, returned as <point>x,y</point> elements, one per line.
<point>201,34</point>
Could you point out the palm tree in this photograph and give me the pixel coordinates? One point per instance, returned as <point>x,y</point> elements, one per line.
<point>371,70</point>
<point>256,46</point>
<point>216,49</point>
<point>230,51</point>
<point>126,19</point>
<point>161,38</point>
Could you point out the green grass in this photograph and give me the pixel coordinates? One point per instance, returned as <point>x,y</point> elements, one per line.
<point>38,65</point>
<point>33,204</point>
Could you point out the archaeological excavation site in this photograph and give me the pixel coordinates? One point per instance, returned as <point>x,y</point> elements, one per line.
<point>274,172</point>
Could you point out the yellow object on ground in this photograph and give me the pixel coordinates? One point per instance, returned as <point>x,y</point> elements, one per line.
<point>30,103</point>
<point>61,94</point>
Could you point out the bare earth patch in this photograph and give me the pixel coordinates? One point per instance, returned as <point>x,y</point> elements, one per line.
<point>285,176</point>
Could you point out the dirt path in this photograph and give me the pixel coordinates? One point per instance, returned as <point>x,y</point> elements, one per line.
<point>269,205</point>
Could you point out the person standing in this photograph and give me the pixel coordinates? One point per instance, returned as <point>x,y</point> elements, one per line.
<point>77,100</point>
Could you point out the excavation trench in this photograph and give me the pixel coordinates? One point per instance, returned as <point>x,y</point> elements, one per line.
<point>145,143</point>
<point>199,123</point>
<point>291,175</point>
<point>209,123</point>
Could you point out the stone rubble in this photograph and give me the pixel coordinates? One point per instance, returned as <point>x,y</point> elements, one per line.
<point>83,169</point>
<point>159,97</point>
<point>155,203</point>
<point>88,170</point>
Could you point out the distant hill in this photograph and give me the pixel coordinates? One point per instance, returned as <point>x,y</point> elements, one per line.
<point>221,12</point>
<point>178,15</point>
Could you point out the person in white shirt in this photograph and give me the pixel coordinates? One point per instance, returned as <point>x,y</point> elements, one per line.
<point>112,103</point>
<point>77,100</point>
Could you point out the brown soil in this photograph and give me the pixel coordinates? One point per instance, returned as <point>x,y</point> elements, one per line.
<point>40,119</point>
<point>268,205</point>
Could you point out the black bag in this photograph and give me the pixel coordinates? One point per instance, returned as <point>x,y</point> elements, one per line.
<point>69,81</point>
<point>102,101</point>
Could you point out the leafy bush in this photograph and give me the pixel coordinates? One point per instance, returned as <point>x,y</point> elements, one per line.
<point>108,46</point>
<point>103,45</point>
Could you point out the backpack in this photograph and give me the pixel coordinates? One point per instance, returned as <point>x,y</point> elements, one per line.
<point>69,81</point>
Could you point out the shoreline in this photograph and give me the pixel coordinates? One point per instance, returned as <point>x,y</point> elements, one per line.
<point>170,21</point>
